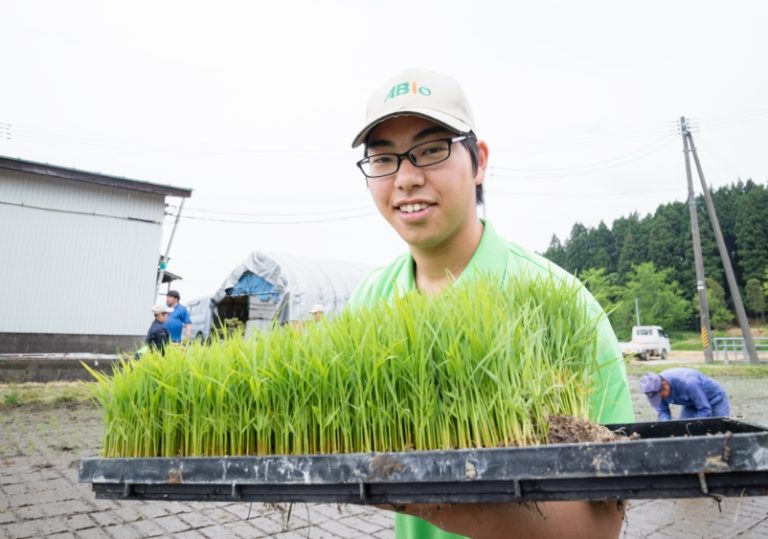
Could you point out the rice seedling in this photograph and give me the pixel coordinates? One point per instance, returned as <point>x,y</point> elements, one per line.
<point>481,365</point>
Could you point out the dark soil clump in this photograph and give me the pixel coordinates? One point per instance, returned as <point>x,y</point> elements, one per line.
<point>565,429</point>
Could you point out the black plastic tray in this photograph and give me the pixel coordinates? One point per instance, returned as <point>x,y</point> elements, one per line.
<point>672,459</point>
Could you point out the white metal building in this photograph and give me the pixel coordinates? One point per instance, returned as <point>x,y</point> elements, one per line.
<point>78,258</point>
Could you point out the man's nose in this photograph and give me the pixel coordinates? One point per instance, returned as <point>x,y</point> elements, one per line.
<point>408,176</point>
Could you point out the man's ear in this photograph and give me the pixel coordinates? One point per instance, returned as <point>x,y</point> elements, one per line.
<point>482,161</point>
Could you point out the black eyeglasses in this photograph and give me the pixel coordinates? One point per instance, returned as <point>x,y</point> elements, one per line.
<point>421,155</point>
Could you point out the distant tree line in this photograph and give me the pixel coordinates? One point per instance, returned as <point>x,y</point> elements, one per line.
<point>650,259</point>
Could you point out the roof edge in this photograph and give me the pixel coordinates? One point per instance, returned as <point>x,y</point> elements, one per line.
<point>55,171</point>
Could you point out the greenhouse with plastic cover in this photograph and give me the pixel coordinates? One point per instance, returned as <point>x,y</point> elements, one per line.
<point>266,288</point>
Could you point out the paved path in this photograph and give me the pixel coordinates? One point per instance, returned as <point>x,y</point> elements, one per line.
<point>39,495</point>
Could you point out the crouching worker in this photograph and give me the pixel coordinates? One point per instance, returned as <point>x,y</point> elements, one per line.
<point>157,336</point>
<point>699,395</point>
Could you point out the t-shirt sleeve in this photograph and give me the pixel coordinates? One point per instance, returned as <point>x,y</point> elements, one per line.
<point>375,287</point>
<point>611,401</point>
<point>358,297</point>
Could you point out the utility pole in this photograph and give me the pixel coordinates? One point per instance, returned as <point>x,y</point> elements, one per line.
<point>706,328</point>
<point>741,314</point>
<point>164,259</point>
<point>637,311</point>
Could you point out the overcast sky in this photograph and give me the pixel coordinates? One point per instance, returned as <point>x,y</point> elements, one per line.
<point>254,106</point>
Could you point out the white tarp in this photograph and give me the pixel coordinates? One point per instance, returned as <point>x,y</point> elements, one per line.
<point>306,281</point>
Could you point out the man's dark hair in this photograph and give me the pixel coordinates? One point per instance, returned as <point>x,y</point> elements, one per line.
<point>470,143</point>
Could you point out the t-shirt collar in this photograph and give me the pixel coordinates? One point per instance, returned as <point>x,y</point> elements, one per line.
<point>485,259</point>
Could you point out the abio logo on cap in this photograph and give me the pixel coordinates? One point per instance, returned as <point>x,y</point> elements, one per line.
<point>407,88</point>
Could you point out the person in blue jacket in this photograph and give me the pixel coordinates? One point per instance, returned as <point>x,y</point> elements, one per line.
<point>699,395</point>
<point>157,336</point>
<point>179,323</point>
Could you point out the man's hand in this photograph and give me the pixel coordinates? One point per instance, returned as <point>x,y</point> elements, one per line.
<point>543,520</point>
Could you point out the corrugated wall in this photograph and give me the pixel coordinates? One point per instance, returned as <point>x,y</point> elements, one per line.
<point>62,272</point>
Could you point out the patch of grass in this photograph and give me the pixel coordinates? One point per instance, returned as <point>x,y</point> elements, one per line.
<point>49,394</point>
<point>11,398</point>
<point>689,340</point>
<point>715,370</point>
<point>680,335</point>
<point>64,399</point>
<point>687,345</point>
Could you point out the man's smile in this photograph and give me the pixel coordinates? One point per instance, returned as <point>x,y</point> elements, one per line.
<point>413,207</point>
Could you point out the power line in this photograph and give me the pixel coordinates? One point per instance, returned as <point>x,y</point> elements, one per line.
<point>727,116</point>
<point>711,126</point>
<point>580,194</point>
<point>581,139</point>
<point>302,155</point>
<point>263,214</point>
<point>288,222</point>
<point>313,153</point>
<point>591,167</point>
<point>255,197</point>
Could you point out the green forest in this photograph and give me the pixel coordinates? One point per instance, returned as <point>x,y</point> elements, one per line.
<point>650,259</point>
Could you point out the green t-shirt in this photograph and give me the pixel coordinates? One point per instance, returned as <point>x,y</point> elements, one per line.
<point>611,402</point>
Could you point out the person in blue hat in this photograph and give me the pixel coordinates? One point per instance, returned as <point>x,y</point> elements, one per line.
<point>699,395</point>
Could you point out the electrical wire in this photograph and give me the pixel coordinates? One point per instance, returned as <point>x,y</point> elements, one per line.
<point>734,124</point>
<point>729,116</point>
<point>255,197</point>
<point>313,154</point>
<point>263,222</point>
<point>598,165</point>
<point>575,172</point>
<point>580,194</point>
<point>581,139</point>
<point>305,155</point>
<point>263,214</point>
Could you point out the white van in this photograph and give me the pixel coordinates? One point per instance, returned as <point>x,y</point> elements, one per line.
<point>201,313</point>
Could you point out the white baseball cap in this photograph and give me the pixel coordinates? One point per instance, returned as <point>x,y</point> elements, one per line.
<point>317,308</point>
<point>161,308</point>
<point>418,92</point>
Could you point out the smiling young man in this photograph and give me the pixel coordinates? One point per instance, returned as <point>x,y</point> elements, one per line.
<point>425,168</point>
